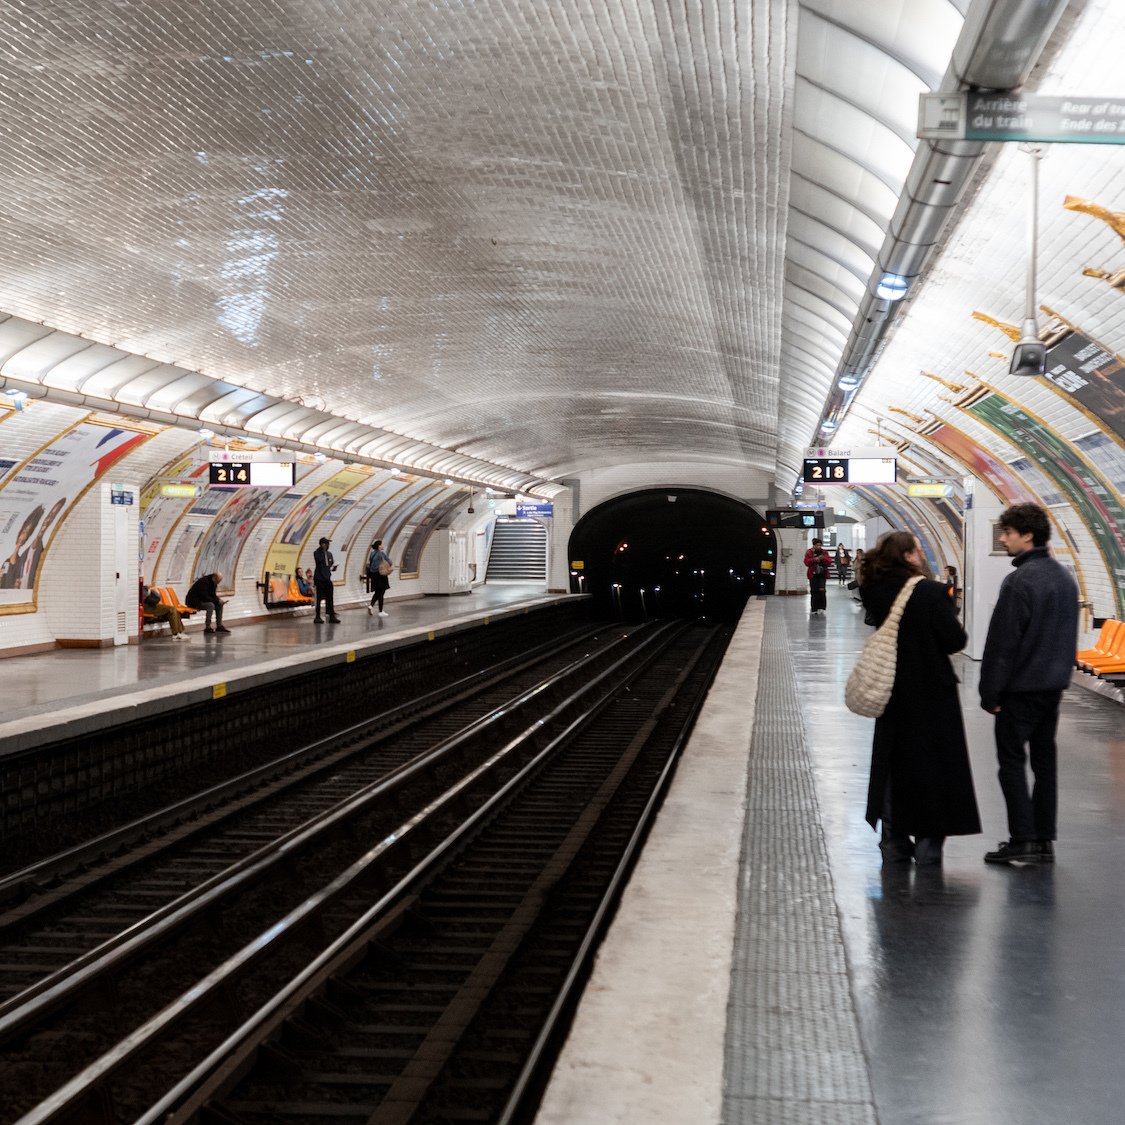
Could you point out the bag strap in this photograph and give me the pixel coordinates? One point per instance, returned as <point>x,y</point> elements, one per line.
<point>900,603</point>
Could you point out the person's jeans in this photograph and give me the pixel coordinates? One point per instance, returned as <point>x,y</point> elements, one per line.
<point>324,593</point>
<point>818,594</point>
<point>1029,718</point>
<point>213,608</point>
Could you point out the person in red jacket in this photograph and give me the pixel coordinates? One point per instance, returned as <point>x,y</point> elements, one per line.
<point>816,569</point>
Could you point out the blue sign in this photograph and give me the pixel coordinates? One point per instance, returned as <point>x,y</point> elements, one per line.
<point>121,498</point>
<point>543,511</point>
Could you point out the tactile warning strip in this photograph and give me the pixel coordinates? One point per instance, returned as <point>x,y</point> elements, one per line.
<point>793,1052</point>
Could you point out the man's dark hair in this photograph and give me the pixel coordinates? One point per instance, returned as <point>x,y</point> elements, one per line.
<point>817,543</point>
<point>1025,518</point>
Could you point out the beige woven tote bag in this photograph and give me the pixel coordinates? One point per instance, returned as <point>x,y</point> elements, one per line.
<point>869,686</point>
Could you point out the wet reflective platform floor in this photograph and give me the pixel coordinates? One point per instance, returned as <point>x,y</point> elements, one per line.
<point>984,994</point>
<point>961,995</point>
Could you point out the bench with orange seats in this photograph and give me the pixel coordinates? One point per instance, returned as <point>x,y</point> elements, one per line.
<point>282,592</point>
<point>1107,655</point>
<point>168,596</point>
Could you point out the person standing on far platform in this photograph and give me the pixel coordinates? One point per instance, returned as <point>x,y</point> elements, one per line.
<point>921,783</point>
<point>953,587</point>
<point>816,570</point>
<point>843,563</point>
<point>204,595</point>
<point>1028,658</point>
<point>322,577</point>
<point>379,567</point>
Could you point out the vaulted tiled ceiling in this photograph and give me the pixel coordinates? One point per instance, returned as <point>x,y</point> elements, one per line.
<point>547,234</point>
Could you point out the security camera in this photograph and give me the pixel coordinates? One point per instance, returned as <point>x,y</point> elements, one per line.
<point>471,510</point>
<point>1029,357</point>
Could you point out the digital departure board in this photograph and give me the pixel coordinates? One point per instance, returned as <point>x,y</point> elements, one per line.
<point>794,517</point>
<point>850,470</point>
<point>253,474</point>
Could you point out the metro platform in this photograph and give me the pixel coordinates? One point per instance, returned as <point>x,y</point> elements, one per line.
<point>67,692</point>
<point>764,968</point>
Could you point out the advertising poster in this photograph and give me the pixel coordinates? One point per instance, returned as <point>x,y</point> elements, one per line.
<point>1090,495</point>
<point>284,554</point>
<point>1090,376</point>
<point>229,531</point>
<point>346,534</point>
<point>434,518</point>
<point>162,513</point>
<point>1101,450</point>
<point>35,499</point>
<point>903,520</point>
<point>403,514</point>
<point>982,464</point>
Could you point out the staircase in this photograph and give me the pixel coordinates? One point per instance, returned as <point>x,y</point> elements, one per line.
<point>519,551</point>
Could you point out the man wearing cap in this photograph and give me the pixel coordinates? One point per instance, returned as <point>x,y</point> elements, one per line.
<point>322,579</point>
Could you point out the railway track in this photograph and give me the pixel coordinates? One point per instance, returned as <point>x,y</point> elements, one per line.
<point>475,830</point>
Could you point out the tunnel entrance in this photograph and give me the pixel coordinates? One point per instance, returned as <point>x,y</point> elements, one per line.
<point>672,552</point>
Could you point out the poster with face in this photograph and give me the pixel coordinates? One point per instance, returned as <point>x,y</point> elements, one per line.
<point>36,497</point>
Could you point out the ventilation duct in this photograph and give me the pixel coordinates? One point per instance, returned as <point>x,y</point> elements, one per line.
<point>1000,42</point>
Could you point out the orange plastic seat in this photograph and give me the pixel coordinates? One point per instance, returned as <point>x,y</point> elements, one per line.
<point>295,594</point>
<point>169,596</point>
<point>1113,653</point>
<point>1102,645</point>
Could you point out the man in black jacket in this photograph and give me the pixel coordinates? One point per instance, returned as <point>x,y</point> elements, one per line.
<point>1028,658</point>
<point>322,579</point>
<point>204,595</point>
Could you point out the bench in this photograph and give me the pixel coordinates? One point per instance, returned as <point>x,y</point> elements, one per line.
<point>1106,659</point>
<point>282,592</point>
<point>168,596</point>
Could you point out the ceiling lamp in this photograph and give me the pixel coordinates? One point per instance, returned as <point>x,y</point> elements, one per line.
<point>827,426</point>
<point>849,381</point>
<point>891,287</point>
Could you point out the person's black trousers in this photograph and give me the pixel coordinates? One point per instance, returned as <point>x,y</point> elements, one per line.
<point>1029,718</point>
<point>324,594</point>
<point>817,593</point>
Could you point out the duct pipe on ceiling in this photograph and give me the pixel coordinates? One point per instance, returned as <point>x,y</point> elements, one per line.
<point>1000,42</point>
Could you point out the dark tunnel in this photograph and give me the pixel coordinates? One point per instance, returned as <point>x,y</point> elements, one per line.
<point>672,553</point>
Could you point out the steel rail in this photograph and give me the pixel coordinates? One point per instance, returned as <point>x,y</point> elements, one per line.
<point>86,1096</point>
<point>116,955</point>
<point>41,877</point>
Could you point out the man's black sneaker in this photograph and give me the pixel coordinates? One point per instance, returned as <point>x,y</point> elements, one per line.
<point>1022,851</point>
<point>334,620</point>
<point>318,620</point>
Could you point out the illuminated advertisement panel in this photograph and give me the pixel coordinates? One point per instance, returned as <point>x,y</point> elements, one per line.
<point>1095,501</point>
<point>1091,376</point>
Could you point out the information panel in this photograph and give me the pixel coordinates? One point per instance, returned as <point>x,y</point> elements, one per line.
<point>850,470</point>
<point>247,474</point>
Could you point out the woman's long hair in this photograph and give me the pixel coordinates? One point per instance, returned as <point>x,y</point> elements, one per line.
<point>888,557</point>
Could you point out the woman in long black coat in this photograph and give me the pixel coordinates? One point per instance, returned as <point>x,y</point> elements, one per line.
<point>921,783</point>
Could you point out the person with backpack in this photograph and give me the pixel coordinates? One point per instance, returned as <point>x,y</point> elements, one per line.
<point>816,570</point>
<point>379,567</point>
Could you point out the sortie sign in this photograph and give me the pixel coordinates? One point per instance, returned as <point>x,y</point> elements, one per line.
<point>1021,117</point>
